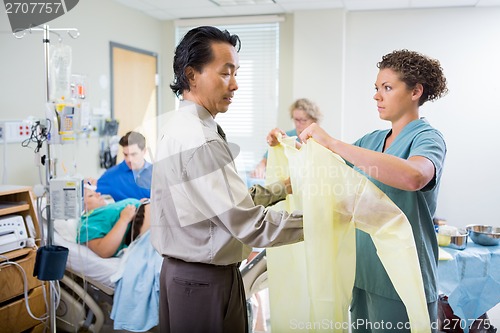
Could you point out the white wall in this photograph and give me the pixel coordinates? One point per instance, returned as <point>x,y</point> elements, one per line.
<point>22,85</point>
<point>465,40</point>
<point>317,67</point>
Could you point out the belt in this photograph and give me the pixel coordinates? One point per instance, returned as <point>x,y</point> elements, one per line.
<point>237,264</point>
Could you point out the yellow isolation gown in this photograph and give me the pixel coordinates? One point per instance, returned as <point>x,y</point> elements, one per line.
<point>310,283</point>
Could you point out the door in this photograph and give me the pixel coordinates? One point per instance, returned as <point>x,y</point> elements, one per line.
<point>134,94</point>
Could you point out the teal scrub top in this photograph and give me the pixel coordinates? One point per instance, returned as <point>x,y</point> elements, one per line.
<point>418,138</point>
<point>99,222</point>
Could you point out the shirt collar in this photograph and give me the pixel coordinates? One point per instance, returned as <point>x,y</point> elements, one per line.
<point>200,112</point>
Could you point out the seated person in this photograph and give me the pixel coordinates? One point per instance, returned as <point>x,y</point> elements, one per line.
<point>109,228</point>
<point>132,177</point>
<point>304,112</point>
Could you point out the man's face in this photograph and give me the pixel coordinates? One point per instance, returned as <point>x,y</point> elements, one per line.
<point>214,87</point>
<point>134,156</point>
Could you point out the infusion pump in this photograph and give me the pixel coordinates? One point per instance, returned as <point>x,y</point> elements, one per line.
<point>66,198</point>
<point>13,234</point>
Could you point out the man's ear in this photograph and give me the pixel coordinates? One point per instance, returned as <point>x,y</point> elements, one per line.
<point>190,74</point>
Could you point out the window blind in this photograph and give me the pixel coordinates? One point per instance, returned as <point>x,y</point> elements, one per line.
<point>254,110</point>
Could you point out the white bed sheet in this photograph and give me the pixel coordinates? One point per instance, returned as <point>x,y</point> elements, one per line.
<point>81,260</point>
<point>86,263</point>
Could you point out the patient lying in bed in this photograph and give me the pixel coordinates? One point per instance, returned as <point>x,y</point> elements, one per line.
<point>108,228</point>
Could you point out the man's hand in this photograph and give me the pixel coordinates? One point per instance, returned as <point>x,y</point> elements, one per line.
<point>272,137</point>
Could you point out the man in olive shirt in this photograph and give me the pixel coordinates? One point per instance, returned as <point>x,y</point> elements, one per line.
<point>204,219</point>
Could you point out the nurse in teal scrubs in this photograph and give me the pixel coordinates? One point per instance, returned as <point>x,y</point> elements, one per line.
<point>406,163</point>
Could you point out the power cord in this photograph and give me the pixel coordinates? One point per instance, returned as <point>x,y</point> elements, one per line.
<point>39,134</point>
<point>25,280</point>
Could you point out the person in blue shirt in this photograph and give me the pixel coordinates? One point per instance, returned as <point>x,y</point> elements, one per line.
<point>406,163</point>
<point>303,112</point>
<point>132,177</point>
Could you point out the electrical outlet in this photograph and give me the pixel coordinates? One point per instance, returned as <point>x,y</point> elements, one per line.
<point>15,131</point>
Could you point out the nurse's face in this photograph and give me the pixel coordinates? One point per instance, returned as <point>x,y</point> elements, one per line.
<point>394,98</point>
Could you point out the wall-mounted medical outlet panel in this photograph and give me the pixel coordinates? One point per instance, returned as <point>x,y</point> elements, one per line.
<point>14,131</point>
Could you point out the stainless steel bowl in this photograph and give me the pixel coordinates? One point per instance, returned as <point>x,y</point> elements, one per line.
<point>458,242</point>
<point>484,234</point>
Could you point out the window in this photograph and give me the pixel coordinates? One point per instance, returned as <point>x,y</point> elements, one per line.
<point>254,110</point>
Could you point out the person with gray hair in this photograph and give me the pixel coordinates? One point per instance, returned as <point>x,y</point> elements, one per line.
<point>303,112</point>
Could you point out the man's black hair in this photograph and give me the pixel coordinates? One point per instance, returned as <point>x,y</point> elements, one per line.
<point>195,50</point>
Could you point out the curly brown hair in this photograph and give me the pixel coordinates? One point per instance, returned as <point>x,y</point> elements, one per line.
<point>415,68</point>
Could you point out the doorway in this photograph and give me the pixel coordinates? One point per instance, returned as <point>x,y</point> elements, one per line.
<point>134,92</point>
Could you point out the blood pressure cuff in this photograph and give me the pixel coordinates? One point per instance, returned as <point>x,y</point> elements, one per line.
<point>50,262</point>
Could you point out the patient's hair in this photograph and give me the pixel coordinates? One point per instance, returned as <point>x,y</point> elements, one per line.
<point>309,107</point>
<point>133,138</point>
<point>414,68</point>
<point>135,228</point>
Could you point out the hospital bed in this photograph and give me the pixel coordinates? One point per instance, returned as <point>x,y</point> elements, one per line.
<point>254,274</point>
<point>87,288</point>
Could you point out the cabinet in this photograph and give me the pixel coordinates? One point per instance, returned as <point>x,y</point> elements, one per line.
<point>14,317</point>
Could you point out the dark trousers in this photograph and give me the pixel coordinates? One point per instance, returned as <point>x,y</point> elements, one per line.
<point>202,298</point>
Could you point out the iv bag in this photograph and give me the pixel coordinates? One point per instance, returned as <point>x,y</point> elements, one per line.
<point>60,72</point>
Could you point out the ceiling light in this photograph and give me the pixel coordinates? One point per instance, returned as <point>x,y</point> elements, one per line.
<point>242,2</point>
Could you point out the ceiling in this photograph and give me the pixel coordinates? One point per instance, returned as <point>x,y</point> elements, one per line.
<point>183,9</point>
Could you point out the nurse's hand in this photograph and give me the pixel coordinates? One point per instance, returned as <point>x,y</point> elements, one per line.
<point>318,134</point>
<point>272,137</point>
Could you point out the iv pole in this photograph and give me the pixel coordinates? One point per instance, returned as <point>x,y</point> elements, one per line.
<point>48,173</point>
